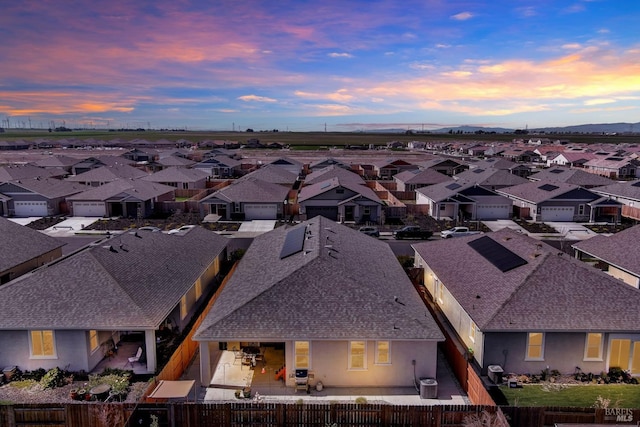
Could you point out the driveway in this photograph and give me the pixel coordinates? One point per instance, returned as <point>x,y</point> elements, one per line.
<point>572,230</point>
<point>499,224</point>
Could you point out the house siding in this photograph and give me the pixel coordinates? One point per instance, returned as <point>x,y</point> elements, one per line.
<point>32,264</point>
<point>71,351</point>
<point>329,364</point>
<point>626,277</point>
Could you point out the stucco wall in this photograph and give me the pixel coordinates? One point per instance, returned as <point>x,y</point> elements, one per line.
<point>329,364</point>
<point>628,278</point>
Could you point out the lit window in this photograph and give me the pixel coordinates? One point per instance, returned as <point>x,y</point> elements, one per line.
<point>43,344</point>
<point>93,339</point>
<point>535,346</point>
<point>439,291</point>
<point>383,353</point>
<point>357,352</point>
<point>183,307</point>
<point>198,288</point>
<point>302,354</point>
<point>593,350</point>
<point>472,331</point>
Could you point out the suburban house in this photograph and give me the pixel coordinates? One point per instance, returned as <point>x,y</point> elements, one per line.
<point>132,198</point>
<point>558,201</point>
<point>460,199</point>
<point>520,304</point>
<point>412,179</point>
<point>613,167</point>
<point>386,169</point>
<point>71,311</point>
<point>275,175</point>
<point>27,171</point>
<point>36,196</point>
<point>292,165</point>
<point>64,163</point>
<point>491,178</point>
<point>519,169</point>
<point>616,255</point>
<point>180,178</point>
<point>142,155</point>
<point>575,159</point>
<point>24,249</point>
<point>326,162</point>
<point>445,166</point>
<point>246,198</point>
<point>220,166</point>
<point>627,193</point>
<point>311,291</point>
<point>101,175</point>
<point>570,176</point>
<point>339,195</point>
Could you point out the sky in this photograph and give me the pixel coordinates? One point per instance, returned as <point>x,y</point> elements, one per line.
<point>334,65</point>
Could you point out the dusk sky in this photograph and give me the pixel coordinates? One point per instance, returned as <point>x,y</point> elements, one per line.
<point>303,65</point>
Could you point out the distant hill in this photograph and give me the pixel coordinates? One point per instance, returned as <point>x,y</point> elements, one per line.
<point>605,128</point>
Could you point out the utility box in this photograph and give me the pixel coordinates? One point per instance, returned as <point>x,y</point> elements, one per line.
<point>494,372</point>
<point>428,388</point>
<point>9,371</point>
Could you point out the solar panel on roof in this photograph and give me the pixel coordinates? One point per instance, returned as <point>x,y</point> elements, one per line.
<point>556,171</point>
<point>636,184</point>
<point>548,187</point>
<point>453,186</point>
<point>478,170</point>
<point>293,242</point>
<point>502,258</point>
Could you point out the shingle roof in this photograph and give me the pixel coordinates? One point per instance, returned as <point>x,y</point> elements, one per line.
<point>627,189</point>
<point>176,174</point>
<point>321,292</point>
<point>108,174</point>
<point>550,292</point>
<point>537,192</point>
<point>491,177</point>
<point>133,188</point>
<point>134,285</point>
<point>310,191</point>
<point>15,172</point>
<point>248,189</point>
<point>274,174</point>
<point>49,187</point>
<point>333,171</point>
<point>619,249</point>
<point>20,244</point>
<point>421,177</point>
<point>570,176</point>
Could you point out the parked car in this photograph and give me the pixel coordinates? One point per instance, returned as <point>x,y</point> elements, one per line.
<point>150,228</point>
<point>412,232</point>
<point>181,229</point>
<point>457,232</point>
<point>370,231</point>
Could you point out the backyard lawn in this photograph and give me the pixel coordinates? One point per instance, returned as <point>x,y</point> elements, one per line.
<point>565,395</point>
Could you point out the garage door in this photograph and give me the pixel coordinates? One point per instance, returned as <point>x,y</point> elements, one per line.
<point>256,211</point>
<point>490,212</point>
<point>88,209</point>
<point>30,208</point>
<point>330,212</point>
<point>556,214</point>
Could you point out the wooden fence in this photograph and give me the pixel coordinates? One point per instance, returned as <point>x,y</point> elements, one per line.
<point>236,415</point>
<point>184,354</point>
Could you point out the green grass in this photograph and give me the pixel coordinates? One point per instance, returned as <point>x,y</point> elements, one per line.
<point>582,396</point>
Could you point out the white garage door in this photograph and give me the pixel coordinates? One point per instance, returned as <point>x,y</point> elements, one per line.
<point>556,214</point>
<point>255,211</point>
<point>30,208</point>
<point>493,212</point>
<point>88,209</point>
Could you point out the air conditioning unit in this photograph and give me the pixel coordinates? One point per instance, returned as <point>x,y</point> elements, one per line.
<point>428,388</point>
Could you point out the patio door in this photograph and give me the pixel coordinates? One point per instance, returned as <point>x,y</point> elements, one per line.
<point>625,354</point>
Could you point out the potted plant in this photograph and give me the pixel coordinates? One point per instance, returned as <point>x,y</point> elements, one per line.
<point>73,393</point>
<point>238,393</point>
<point>246,392</point>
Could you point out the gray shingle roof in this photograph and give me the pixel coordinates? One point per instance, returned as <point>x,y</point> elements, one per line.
<point>108,174</point>
<point>333,171</point>
<point>249,189</point>
<point>550,292</point>
<point>134,188</point>
<point>49,187</point>
<point>275,175</point>
<point>176,174</point>
<point>491,177</point>
<point>133,286</point>
<point>535,191</point>
<point>15,172</point>
<point>627,189</point>
<point>343,292</point>
<point>619,249</point>
<point>570,176</point>
<point>20,244</point>
<point>421,176</point>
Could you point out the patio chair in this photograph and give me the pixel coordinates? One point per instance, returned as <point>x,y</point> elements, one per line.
<point>136,358</point>
<point>237,355</point>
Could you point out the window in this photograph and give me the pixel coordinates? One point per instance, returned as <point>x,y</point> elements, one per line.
<point>580,209</point>
<point>357,353</point>
<point>183,307</point>
<point>443,207</point>
<point>593,347</point>
<point>439,291</point>
<point>42,344</point>
<point>535,346</point>
<point>383,353</point>
<point>302,354</point>
<point>93,340</point>
<point>472,331</point>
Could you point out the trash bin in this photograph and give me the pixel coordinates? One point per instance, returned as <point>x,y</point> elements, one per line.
<point>428,388</point>
<point>494,372</point>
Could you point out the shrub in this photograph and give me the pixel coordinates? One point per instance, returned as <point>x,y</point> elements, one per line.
<point>361,400</point>
<point>53,378</point>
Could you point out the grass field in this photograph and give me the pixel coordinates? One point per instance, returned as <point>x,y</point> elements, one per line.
<point>302,139</point>
<point>583,396</point>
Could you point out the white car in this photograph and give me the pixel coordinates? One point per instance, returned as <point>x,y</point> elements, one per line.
<point>181,229</point>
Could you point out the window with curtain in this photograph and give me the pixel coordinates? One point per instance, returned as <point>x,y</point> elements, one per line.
<point>302,354</point>
<point>535,346</point>
<point>357,355</point>
<point>42,343</point>
<point>383,352</point>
